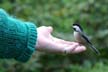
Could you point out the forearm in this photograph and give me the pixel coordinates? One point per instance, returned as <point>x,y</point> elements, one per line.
<point>17,38</point>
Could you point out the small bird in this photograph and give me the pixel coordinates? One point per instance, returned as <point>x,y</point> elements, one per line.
<point>82,38</point>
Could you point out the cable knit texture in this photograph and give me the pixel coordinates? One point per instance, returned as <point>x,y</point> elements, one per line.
<point>17,38</point>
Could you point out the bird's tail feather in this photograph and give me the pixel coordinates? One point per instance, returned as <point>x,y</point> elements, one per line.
<point>94,49</point>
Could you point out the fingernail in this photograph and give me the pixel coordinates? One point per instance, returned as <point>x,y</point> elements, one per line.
<point>83,48</point>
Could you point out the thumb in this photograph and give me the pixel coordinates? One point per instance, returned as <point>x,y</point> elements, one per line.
<point>50,29</point>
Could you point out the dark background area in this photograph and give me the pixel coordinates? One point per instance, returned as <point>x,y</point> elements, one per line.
<point>61,14</point>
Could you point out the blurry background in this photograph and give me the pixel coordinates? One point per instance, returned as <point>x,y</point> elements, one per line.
<point>61,14</point>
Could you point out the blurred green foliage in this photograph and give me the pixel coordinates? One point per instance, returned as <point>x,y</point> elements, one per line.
<point>61,14</point>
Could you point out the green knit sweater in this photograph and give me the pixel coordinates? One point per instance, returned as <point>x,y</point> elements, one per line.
<point>17,38</point>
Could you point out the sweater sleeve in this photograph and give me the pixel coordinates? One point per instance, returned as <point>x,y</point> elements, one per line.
<point>17,38</point>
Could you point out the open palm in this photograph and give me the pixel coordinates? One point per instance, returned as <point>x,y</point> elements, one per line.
<point>47,42</point>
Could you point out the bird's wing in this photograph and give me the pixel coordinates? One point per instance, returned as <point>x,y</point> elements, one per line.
<point>85,37</point>
<point>89,43</point>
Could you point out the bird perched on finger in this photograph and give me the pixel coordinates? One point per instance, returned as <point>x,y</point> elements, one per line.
<point>80,37</point>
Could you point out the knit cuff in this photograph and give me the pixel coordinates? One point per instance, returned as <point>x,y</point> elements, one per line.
<point>31,43</point>
<point>3,15</point>
<point>17,38</point>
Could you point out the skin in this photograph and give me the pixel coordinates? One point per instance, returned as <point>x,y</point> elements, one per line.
<point>48,43</point>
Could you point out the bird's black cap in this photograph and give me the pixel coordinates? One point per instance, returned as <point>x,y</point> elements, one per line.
<point>76,24</point>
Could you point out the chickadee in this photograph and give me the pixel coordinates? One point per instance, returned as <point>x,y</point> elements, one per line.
<point>82,38</point>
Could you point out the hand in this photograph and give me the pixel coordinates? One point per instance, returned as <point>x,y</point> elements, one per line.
<point>46,42</point>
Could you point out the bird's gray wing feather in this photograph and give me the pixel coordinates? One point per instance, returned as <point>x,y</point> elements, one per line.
<point>89,43</point>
